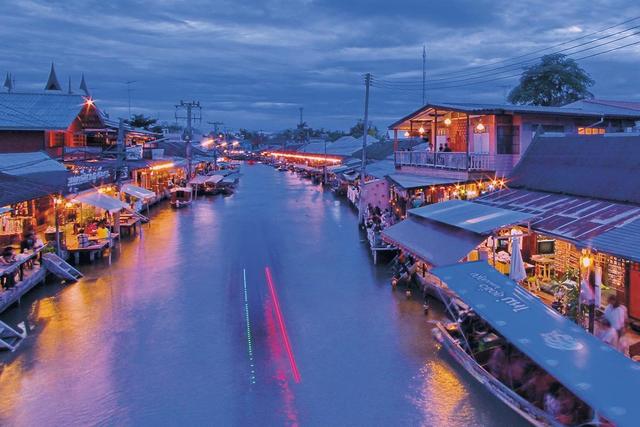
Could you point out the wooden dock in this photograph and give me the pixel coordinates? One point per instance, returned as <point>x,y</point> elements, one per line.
<point>32,277</point>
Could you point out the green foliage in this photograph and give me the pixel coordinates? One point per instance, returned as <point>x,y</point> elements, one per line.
<point>357,130</point>
<point>144,122</point>
<point>556,80</point>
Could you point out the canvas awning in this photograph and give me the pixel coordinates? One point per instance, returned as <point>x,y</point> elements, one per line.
<point>198,180</point>
<point>102,201</point>
<point>137,192</point>
<point>471,216</point>
<point>435,243</point>
<point>409,181</point>
<point>184,189</point>
<point>596,373</point>
<point>214,179</point>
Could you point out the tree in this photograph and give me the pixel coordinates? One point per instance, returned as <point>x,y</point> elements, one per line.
<point>147,123</point>
<point>556,80</point>
<point>357,130</point>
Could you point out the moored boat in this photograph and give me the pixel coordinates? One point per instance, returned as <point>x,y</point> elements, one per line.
<point>542,365</point>
<point>181,197</point>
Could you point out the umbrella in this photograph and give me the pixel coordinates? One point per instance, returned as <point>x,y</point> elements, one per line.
<point>516,271</point>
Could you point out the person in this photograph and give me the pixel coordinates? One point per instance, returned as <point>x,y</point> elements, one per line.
<point>624,343</point>
<point>83,239</point>
<point>497,362</point>
<point>616,314</point>
<point>447,149</point>
<point>607,334</point>
<point>91,228</point>
<point>552,404</point>
<point>7,257</point>
<point>28,241</point>
<point>102,232</point>
<point>588,297</point>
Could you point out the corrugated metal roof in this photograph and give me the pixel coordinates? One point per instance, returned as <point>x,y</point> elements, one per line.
<point>28,163</point>
<point>346,146</point>
<point>14,189</point>
<point>467,215</point>
<point>38,111</point>
<point>587,110</point>
<point>573,218</point>
<point>623,241</point>
<point>410,181</point>
<point>381,169</point>
<point>599,166</point>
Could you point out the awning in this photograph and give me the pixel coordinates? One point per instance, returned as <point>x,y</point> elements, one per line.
<point>471,216</point>
<point>199,179</point>
<point>183,189</point>
<point>138,192</point>
<point>432,242</point>
<point>409,181</point>
<point>214,179</point>
<point>593,371</point>
<point>102,201</point>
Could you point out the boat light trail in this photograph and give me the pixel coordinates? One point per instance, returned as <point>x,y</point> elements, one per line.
<point>283,328</point>
<point>252,377</point>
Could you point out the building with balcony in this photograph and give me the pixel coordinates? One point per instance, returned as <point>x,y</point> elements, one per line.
<point>469,141</point>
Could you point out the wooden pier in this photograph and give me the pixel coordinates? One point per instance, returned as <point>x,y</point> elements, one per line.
<point>32,277</point>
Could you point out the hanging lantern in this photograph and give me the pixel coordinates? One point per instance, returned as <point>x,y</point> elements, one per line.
<point>421,130</point>
<point>447,121</point>
<point>480,127</point>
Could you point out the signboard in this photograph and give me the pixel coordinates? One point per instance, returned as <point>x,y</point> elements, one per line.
<point>134,152</point>
<point>86,177</point>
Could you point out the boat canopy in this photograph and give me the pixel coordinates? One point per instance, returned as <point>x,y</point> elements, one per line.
<point>214,179</point>
<point>435,243</point>
<point>472,216</point>
<point>599,375</point>
<point>138,192</point>
<point>102,201</point>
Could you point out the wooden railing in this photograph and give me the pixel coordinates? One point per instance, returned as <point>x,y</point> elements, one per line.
<point>451,160</point>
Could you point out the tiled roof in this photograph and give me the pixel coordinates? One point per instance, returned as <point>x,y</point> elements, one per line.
<point>599,166</point>
<point>38,111</point>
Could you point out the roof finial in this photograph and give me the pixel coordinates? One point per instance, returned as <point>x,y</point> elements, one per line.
<point>69,90</point>
<point>52,81</point>
<point>84,87</point>
<point>8,82</point>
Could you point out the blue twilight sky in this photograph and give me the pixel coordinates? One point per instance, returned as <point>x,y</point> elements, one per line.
<point>254,63</point>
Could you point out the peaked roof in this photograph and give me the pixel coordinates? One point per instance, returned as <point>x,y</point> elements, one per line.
<point>595,166</point>
<point>39,111</point>
<point>591,108</point>
<point>52,81</point>
<point>22,164</point>
<point>598,104</point>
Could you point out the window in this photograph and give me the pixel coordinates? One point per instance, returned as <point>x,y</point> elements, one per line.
<point>56,139</point>
<point>591,131</point>
<point>508,139</point>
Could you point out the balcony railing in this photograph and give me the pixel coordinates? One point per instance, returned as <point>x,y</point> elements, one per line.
<point>449,161</point>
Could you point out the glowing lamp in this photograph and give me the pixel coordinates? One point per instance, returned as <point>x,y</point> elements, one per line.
<point>88,102</point>
<point>447,121</point>
<point>421,130</point>
<point>406,134</point>
<point>480,127</point>
<point>586,261</point>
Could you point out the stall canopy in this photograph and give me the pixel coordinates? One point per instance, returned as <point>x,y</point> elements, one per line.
<point>472,216</point>
<point>138,192</point>
<point>593,371</point>
<point>198,180</point>
<point>102,201</point>
<point>214,179</point>
<point>409,181</point>
<point>435,243</point>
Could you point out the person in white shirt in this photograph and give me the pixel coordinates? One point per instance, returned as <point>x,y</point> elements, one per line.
<point>588,297</point>
<point>607,334</point>
<point>616,314</point>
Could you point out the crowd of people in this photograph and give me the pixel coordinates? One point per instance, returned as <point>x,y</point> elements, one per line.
<point>29,243</point>
<point>517,371</point>
<point>97,229</point>
<point>375,221</point>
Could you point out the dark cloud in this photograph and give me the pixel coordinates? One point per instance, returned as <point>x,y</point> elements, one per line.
<point>254,63</point>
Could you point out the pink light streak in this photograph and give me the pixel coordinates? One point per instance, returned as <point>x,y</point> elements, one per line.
<point>283,328</point>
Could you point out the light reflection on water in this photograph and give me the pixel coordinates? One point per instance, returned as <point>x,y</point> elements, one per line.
<point>160,336</point>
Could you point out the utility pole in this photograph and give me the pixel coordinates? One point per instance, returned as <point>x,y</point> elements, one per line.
<point>121,156</point>
<point>187,136</point>
<point>424,75</point>
<point>365,125</point>
<point>129,83</point>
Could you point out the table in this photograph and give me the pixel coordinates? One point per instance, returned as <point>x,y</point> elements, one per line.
<point>544,268</point>
<point>129,223</point>
<point>95,249</point>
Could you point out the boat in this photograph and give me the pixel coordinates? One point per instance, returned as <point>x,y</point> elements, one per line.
<point>600,381</point>
<point>181,197</point>
<point>282,168</point>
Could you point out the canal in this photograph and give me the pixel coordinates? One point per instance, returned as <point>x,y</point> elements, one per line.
<point>262,308</point>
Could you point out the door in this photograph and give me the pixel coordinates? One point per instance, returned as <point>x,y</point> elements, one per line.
<point>634,291</point>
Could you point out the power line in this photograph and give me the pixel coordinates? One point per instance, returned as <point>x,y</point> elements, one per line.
<point>540,50</point>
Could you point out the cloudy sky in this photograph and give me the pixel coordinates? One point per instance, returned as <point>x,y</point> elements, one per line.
<point>253,63</point>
